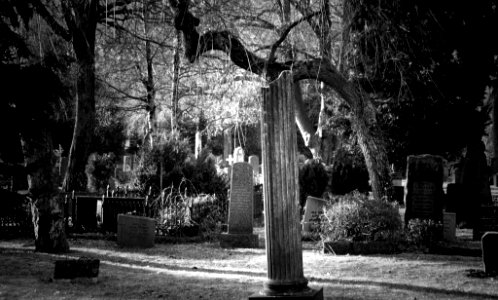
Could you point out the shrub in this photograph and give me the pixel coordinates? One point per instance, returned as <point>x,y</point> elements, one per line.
<point>356,218</point>
<point>424,232</point>
<point>313,180</point>
<point>99,170</point>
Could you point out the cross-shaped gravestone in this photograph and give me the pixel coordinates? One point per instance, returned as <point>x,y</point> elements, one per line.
<point>230,159</point>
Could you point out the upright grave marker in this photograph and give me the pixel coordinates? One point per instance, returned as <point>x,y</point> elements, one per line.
<point>449,226</point>
<point>281,193</point>
<point>312,211</point>
<point>240,211</point>
<point>424,197</point>
<point>135,231</point>
<point>238,154</point>
<point>489,245</point>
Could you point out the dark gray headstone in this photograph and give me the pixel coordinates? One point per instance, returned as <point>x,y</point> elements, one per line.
<point>449,226</point>
<point>240,212</point>
<point>424,197</point>
<point>489,243</point>
<point>312,211</point>
<point>135,231</point>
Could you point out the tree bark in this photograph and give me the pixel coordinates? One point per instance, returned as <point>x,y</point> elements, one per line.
<point>175,99</point>
<point>81,18</point>
<point>47,205</point>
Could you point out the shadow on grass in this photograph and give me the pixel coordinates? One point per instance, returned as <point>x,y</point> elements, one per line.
<point>407,287</point>
<point>227,273</point>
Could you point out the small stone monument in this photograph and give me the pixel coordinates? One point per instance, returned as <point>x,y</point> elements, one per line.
<point>240,212</point>
<point>198,143</point>
<point>254,162</point>
<point>312,211</point>
<point>489,244</point>
<point>424,196</point>
<point>238,155</point>
<point>449,226</point>
<point>135,231</point>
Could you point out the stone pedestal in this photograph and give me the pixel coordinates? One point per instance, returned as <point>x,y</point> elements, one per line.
<point>281,194</point>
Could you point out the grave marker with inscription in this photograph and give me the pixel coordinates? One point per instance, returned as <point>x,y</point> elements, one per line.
<point>449,226</point>
<point>240,213</point>
<point>312,211</point>
<point>135,231</point>
<point>424,197</point>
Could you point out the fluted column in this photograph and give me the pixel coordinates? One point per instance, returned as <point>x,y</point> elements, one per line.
<point>281,194</point>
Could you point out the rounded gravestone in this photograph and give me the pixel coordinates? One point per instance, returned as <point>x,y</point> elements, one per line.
<point>489,244</point>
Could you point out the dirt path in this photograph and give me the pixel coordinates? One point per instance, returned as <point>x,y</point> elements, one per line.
<point>205,271</point>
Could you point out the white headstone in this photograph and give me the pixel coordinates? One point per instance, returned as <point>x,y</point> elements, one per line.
<point>254,162</point>
<point>198,144</point>
<point>313,210</point>
<point>238,155</point>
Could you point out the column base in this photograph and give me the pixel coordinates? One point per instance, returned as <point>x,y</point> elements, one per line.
<point>228,240</point>
<point>306,294</point>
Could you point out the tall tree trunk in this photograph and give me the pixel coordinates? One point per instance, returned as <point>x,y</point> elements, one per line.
<point>148,81</point>
<point>81,18</point>
<point>175,97</point>
<point>47,206</point>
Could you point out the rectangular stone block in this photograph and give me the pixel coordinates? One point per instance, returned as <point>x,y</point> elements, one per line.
<point>135,231</point>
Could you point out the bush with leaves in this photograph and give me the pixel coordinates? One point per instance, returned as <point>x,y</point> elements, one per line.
<point>99,170</point>
<point>354,217</point>
<point>313,180</point>
<point>424,233</point>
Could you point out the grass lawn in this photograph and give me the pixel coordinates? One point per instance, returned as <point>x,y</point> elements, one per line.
<point>206,271</point>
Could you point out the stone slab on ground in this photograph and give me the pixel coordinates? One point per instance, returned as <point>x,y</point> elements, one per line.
<point>76,268</point>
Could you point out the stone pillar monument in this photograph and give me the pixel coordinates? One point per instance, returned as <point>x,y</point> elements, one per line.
<point>281,194</point>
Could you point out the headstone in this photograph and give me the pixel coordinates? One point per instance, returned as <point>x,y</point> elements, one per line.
<point>238,155</point>
<point>449,226</point>
<point>487,220</point>
<point>254,162</point>
<point>135,231</point>
<point>312,211</point>
<point>198,143</point>
<point>227,143</point>
<point>127,164</point>
<point>424,197</point>
<point>240,211</point>
<point>489,244</point>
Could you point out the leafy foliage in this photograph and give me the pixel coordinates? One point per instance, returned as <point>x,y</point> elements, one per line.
<point>99,171</point>
<point>313,180</point>
<point>356,218</point>
<point>424,232</point>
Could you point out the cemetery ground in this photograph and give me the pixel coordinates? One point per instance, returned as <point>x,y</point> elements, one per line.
<point>202,270</point>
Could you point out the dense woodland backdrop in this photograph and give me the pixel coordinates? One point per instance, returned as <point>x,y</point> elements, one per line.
<point>375,81</point>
